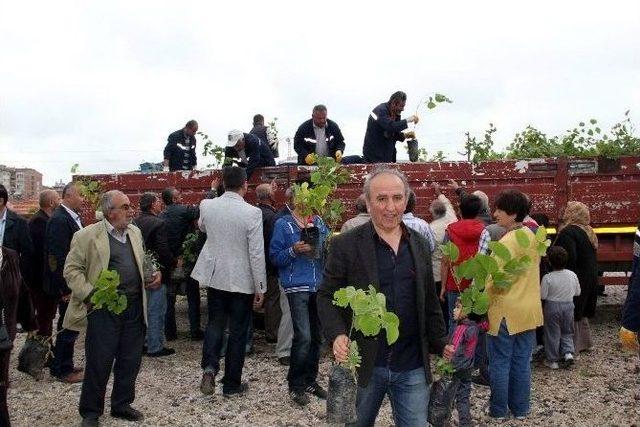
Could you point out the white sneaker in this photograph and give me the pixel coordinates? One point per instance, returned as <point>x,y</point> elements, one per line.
<point>568,359</point>
<point>551,365</point>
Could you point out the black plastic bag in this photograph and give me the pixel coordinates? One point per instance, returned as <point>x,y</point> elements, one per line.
<point>33,357</point>
<point>341,399</point>
<point>441,400</point>
<point>412,150</point>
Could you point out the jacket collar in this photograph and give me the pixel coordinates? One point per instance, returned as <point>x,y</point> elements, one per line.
<point>232,195</point>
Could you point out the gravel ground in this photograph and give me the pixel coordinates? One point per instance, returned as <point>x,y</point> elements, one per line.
<point>598,391</point>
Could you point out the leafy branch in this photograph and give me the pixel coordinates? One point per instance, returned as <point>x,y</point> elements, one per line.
<point>211,149</point>
<point>369,317</point>
<point>106,293</point>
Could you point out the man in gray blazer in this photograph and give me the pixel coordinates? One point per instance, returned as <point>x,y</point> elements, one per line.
<point>232,267</point>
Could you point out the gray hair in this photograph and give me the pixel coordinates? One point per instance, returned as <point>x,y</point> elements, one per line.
<point>483,198</point>
<point>438,209</point>
<point>361,204</point>
<point>289,194</point>
<point>389,171</point>
<point>106,201</point>
<point>319,108</point>
<point>45,197</point>
<point>263,192</point>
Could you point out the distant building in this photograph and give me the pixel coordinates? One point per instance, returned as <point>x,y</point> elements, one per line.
<point>148,167</point>
<point>22,183</point>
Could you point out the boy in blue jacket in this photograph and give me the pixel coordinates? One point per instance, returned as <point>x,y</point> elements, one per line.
<point>300,266</point>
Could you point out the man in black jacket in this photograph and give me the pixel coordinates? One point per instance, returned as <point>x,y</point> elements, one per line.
<point>43,303</point>
<point>155,240</point>
<point>14,234</point>
<point>64,222</point>
<point>384,129</point>
<point>319,136</point>
<point>272,311</point>
<point>396,261</point>
<point>179,221</point>
<point>252,151</point>
<point>180,151</point>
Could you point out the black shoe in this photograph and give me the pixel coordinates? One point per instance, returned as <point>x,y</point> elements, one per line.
<point>316,390</point>
<point>164,352</point>
<point>196,335</point>
<point>239,392</point>
<point>89,422</point>
<point>284,361</point>
<point>300,397</point>
<point>127,413</point>
<point>208,383</point>
<point>480,380</point>
<point>171,337</point>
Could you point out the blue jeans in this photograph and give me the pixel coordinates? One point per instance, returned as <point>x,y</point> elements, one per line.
<point>408,393</point>
<point>305,347</point>
<point>156,311</point>
<point>235,308</point>
<point>62,363</point>
<point>452,297</point>
<point>510,371</point>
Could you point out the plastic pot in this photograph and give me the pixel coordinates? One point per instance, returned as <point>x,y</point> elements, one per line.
<point>311,236</point>
<point>341,399</point>
<point>412,149</point>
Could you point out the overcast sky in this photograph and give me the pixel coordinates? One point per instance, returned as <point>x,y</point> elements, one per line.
<point>102,84</point>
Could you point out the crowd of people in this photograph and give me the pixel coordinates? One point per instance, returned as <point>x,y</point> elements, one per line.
<point>260,258</point>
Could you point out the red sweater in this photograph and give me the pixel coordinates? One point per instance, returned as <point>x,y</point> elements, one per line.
<point>465,234</point>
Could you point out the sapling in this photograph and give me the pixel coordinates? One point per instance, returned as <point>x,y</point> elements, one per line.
<point>369,317</point>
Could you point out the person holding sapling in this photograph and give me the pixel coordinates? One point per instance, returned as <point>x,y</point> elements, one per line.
<point>515,310</point>
<point>464,340</point>
<point>114,340</point>
<point>558,289</point>
<point>395,260</point>
<point>295,255</point>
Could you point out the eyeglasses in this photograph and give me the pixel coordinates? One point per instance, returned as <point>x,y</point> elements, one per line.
<point>124,207</point>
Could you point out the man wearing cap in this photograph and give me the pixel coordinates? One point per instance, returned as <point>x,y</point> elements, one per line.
<point>318,135</point>
<point>254,152</point>
<point>384,129</point>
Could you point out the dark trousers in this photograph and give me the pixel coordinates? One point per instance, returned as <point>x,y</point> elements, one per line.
<point>62,363</point>
<point>444,306</point>
<point>193,303</point>
<point>45,306</point>
<point>272,311</point>
<point>305,348</point>
<point>112,337</point>
<point>236,308</point>
<point>4,384</point>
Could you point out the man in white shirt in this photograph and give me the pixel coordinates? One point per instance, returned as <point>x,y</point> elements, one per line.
<point>232,267</point>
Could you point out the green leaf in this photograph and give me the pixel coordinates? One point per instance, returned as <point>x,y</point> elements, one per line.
<point>541,234</point>
<point>451,251</point>
<point>487,262</point>
<point>467,268</point>
<point>368,324</point>
<point>593,121</point>
<point>501,280</point>
<point>522,238</point>
<point>431,105</point>
<point>341,298</point>
<point>481,304</point>
<point>391,324</point>
<point>500,250</point>
<point>360,303</point>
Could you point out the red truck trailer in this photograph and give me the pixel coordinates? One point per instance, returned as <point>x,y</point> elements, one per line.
<point>610,188</point>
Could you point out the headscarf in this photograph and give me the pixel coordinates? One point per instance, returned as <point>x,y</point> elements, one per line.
<point>577,213</point>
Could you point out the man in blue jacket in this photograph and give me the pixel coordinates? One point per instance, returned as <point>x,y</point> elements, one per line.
<point>320,136</point>
<point>253,152</point>
<point>384,129</point>
<point>300,271</point>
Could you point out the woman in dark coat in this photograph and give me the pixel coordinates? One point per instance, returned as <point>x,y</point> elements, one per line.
<point>577,237</point>
<point>17,309</point>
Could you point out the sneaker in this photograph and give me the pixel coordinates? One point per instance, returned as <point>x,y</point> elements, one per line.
<point>161,353</point>
<point>208,383</point>
<point>568,358</point>
<point>316,390</point>
<point>551,365</point>
<point>244,387</point>
<point>520,417</point>
<point>299,397</point>
<point>284,361</point>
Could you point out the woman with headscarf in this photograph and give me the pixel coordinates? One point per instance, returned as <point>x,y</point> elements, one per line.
<point>577,237</point>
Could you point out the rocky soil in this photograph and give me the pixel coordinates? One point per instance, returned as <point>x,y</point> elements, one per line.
<point>598,391</point>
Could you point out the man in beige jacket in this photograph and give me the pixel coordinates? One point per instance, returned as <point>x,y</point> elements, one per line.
<point>111,244</point>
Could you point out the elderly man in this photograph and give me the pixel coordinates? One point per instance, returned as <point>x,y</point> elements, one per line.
<point>397,262</point>
<point>362,217</point>
<point>384,129</point>
<point>180,151</point>
<point>154,233</point>
<point>272,310</point>
<point>113,341</point>
<point>253,152</point>
<point>319,136</point>
<point>235,247</point>
<point>44,304</point>
<point>63,224</point>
